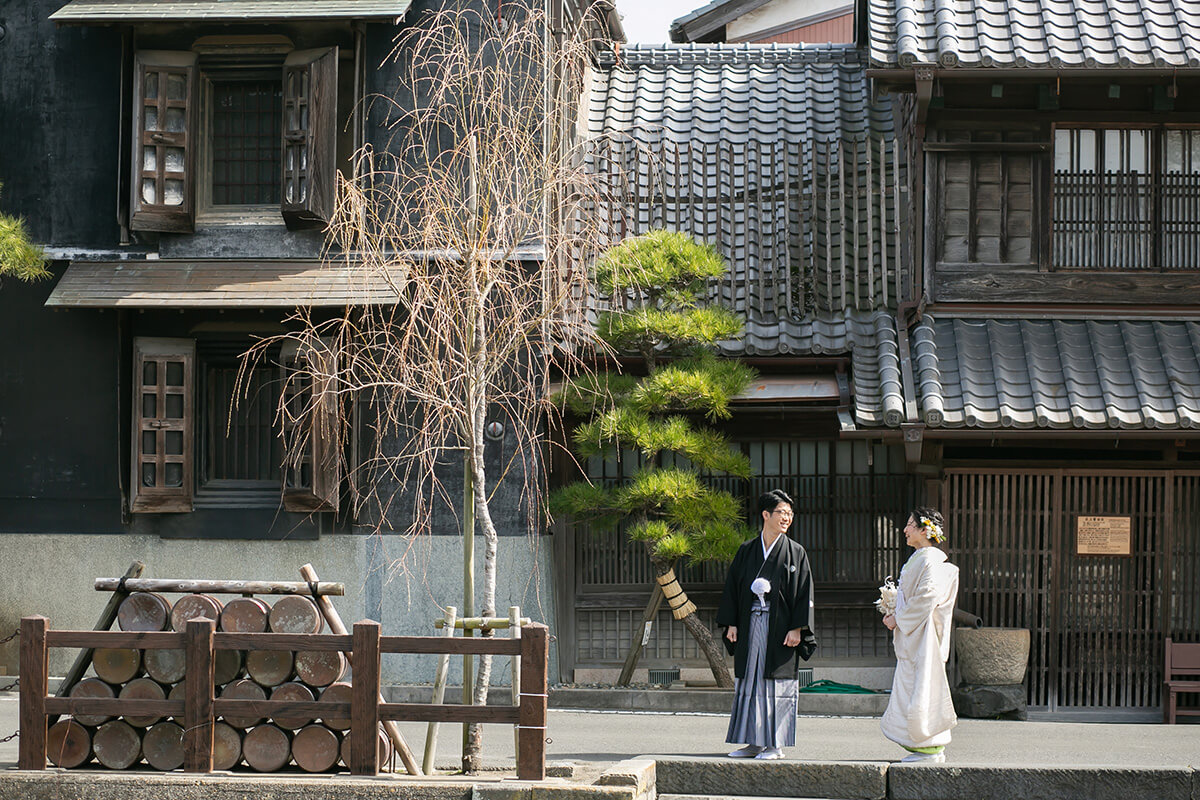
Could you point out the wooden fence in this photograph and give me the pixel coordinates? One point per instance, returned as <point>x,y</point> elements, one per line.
<point>200,708</point>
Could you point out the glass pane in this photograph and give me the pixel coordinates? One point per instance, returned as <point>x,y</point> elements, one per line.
<point>174,373</point>
<point>174,443</point>
<point>150,158</point>
<point>287,192</point>
<point>149,443</point>
<point>150,373</point>
<point>174,406</point>
<point>151,85</point>
<point>149,406</point>
<point>174,161</point>
<point>151,122</point>
<point>149,195</point>
<point>174,193</point>
<point>174,475</point>
<point>148,474</point>
<point>175,120</point>
<point>176,87</point>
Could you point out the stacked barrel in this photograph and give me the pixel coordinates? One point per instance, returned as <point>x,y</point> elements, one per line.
<point>314,744</point>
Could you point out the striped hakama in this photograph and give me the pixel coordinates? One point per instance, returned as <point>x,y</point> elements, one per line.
<point>764,710</point>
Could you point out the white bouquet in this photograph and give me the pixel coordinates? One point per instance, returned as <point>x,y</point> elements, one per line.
<point>887,597</point>
<point>761,587</point>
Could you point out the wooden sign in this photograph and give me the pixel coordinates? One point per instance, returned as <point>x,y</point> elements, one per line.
<point>1102,536</point>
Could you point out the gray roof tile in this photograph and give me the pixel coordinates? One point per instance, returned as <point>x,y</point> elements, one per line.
<point>748,147</point>
<point>1035,33</point>
<point>1020,373</point>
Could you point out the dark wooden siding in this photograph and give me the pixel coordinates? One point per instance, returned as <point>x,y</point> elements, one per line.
<point>1097,623</point>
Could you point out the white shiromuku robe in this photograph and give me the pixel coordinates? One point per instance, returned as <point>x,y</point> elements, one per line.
<point>920,712</point>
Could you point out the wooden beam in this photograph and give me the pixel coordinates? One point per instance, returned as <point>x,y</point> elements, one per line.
<point>1009,285</point>
<point>107,617</point>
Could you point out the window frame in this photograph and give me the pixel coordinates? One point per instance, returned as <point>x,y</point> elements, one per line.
<point>162,498</point>
<point>318,140</point>
<point>1155,146</point>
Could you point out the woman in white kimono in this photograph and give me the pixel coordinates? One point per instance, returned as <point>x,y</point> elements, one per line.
<point>920,713</point>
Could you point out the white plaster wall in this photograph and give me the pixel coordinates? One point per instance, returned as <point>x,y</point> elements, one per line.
<point>776,13</point>
<point>402,583</point>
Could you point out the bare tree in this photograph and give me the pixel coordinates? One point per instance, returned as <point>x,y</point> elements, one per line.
<point>466,232</point>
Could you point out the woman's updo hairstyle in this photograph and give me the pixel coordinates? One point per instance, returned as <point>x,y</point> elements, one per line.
<point>927,517</point>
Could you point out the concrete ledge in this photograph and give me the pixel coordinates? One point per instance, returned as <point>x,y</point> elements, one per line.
<point>711,701</point>
<point>90,785</point>
<point>947,782</point>
<point>638,773</point>
<point>783,778</point>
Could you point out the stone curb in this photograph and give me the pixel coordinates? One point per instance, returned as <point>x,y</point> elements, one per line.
<point>944,782</point>
<point>848,780</point>
<point>640,774</point>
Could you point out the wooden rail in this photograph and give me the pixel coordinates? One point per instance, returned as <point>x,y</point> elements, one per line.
<point>200,707</point>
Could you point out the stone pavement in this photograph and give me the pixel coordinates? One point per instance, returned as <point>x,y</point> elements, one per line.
<point>595,741</point>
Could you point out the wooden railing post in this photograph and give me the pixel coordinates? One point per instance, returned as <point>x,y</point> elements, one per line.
<point>531,730</point>
<point>198,697</point>
<point>33,685</point>
<point>364,700</point>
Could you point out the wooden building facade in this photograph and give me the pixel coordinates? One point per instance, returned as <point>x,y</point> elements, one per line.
<point>1036,369</point>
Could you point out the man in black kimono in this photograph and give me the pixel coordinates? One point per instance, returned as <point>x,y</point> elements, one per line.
<point>767,611</point>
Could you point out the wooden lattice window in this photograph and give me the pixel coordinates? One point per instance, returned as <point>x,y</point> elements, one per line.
<point>309,136</point>
<point>163,141</point>
<point>163,402</point>
<point>311,426</point>
<point>1124,198</point>
<point>256,113</point>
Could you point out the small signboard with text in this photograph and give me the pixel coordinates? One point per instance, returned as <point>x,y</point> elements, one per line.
<point>1102,536</point>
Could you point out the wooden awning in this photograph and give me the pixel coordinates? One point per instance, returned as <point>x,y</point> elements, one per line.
<point>221,284</point>
<point>103,12</point>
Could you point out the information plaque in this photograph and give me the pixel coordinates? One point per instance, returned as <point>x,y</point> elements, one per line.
<point>1102,536</point>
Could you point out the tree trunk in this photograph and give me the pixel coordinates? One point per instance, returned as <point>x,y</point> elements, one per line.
<point>472,754</point>
<point>713,651</point>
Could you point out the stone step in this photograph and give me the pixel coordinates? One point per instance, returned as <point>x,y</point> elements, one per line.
<point>662,796</point>
<point>724,777</point>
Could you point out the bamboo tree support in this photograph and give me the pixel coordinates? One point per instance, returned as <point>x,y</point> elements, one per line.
<point>335,624</point>
<point>514,632</point>
<point>642,635</point>
<point>439,692</point>
<point>107,617</point>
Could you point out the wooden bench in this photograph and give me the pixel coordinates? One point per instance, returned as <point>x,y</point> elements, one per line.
<point>1181,660</point>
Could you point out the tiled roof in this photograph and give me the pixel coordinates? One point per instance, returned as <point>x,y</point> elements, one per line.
<point>777,156</point>
<point>107,11</point>
<point>735,92</point>
<point>1035,33</point>
<point>1067,374</point>
<point>868,338</point>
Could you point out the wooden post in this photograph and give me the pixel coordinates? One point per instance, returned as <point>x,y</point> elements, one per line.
<point>531,730</point>
<point>364,700</point>
<point>439,693</point>
<point>641,635</point>
<point>198,697</point>
<point>334,620</point>
<point>33,684</point>
<point>107,617</point>
<point>514,632</point>
<point>468,693</point>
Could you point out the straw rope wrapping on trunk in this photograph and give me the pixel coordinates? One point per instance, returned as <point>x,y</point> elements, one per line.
<point>675,596</point>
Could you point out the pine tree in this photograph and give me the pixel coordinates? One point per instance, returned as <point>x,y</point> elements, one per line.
<point>654,284</point>
<point>19,258</point>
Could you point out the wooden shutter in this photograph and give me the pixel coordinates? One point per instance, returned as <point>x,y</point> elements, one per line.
<point>163,424</point>
<point>164,141</point>
<point>311,420</point>
<point>309,137</point>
